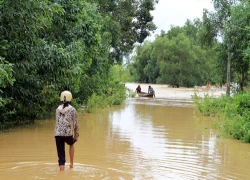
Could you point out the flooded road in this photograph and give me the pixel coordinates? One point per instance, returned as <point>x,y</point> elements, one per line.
<point>143,139</point>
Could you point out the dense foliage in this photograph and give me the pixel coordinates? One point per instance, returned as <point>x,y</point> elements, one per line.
<point>130,21</point>
<point>177,58</point>
<point>6,79</point>
<point>54,45</point>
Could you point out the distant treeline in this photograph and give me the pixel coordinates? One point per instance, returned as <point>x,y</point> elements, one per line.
<point>214,49</point>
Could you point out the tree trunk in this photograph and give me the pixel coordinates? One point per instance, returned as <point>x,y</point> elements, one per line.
<point>228,71</point>
<point>242,82</point>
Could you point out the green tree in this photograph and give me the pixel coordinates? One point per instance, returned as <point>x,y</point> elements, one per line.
<point>6,72</point>
<point>53,45</point>
<point>130,22</point>
<point>140,62</point>
<point>6,79</point>
<point>220,23</point>
<point>177,58</point>
<point>21,23</point>
<point>120,73</point>
<point>240,41</point>
<point>182,64</point>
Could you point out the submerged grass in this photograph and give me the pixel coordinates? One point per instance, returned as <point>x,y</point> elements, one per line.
<point>232,114</point>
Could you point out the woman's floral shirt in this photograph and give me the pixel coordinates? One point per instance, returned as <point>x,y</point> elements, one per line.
<point>66,122</point>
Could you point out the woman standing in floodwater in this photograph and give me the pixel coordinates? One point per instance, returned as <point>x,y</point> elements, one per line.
<point>66,126</point>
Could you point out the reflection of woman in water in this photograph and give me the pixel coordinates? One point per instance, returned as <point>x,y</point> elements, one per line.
<point>151,91</point>
<point>138,89</point>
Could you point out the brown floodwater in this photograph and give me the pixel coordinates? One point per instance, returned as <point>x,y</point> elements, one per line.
<point>143,139</point>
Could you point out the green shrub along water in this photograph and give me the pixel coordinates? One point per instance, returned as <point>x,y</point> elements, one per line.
<point>115,96</point>
<point>231,114</point>
<point>114,92</point>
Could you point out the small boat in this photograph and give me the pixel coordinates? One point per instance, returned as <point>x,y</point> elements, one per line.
<point>144,94</point>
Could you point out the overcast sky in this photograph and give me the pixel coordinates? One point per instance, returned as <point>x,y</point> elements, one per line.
<point>176,12</point>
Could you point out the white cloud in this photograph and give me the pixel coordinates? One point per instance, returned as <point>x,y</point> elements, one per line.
<point>176,12</point>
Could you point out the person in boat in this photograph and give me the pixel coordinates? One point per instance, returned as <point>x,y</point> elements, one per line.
<point>151,91</point>
<point>138,89</point>
<point>66,129</point>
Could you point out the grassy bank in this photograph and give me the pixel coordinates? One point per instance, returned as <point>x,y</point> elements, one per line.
<point>231,114</point>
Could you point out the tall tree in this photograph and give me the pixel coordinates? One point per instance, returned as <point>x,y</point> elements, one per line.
<point>240,41</point>
<point>141,61</point>
<point>220,23</point>
<point>130,22</point>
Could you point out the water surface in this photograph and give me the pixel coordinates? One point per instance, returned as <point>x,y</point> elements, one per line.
<point>145,138</point>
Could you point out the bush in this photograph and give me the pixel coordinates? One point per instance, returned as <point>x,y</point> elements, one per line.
<point>232,114</point>
<point>209,105</point>
<point>115,95</point>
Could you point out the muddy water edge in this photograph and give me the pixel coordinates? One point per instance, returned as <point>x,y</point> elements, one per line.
<point>145,138</point>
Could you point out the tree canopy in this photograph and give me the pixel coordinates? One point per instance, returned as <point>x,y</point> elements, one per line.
<point>130,22</point>
<point>48,46</point>
<point>176,58</point>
